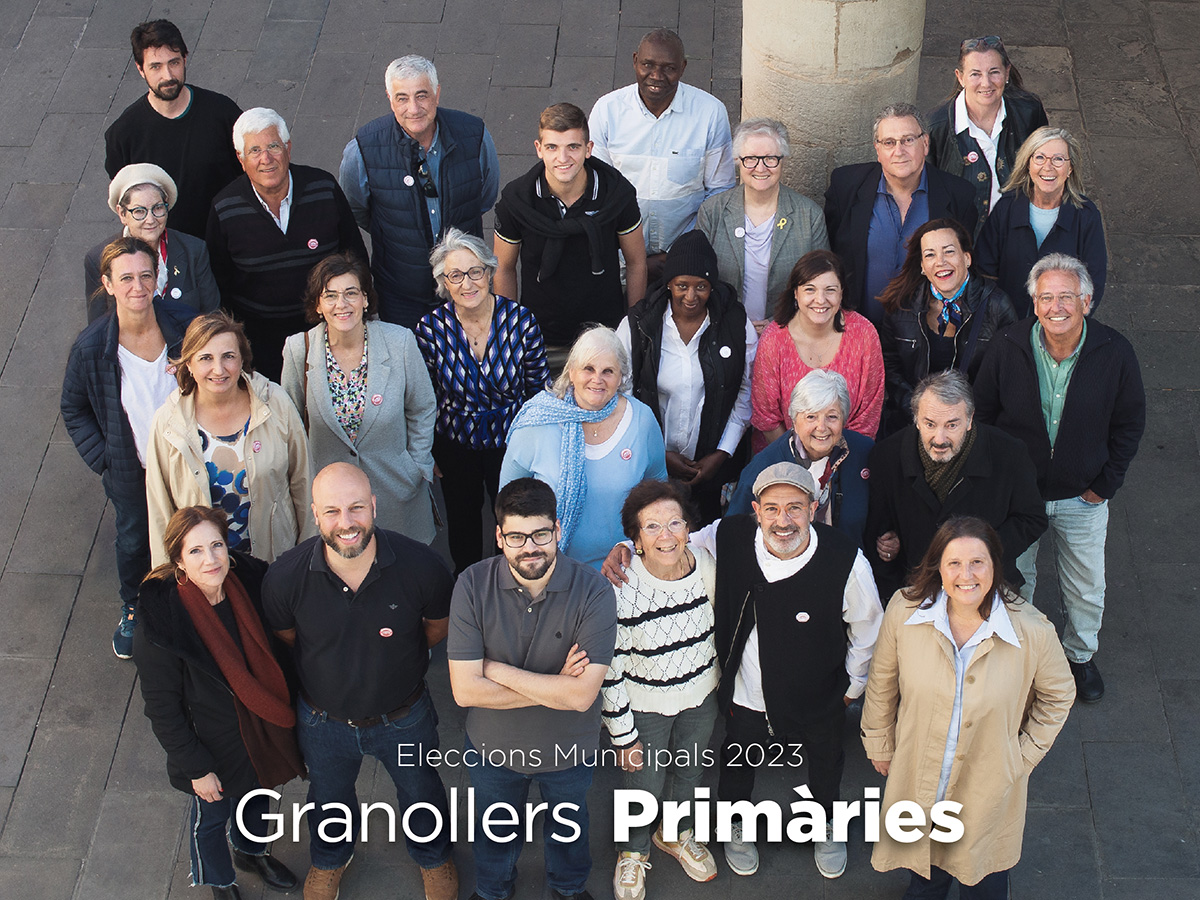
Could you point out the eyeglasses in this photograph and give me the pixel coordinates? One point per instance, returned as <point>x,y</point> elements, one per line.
<point>796,512</point>
<point>1066,299</point>
<point>139,212</point>
<point>654,529</point>
<point>771,162</point>
<point>1040,159</point>
<point>907,141</point>
<point>515,540</point>
<point>475,273</point>
<point>427,184</point>
<point>987,42</point>
<point>274,148</point>
<point>350,295</point>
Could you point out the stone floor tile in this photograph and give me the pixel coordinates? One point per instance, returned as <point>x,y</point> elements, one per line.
<point>526,55</point>
<point>58,527</point>
<point>1174,622</point>
<point>24,683</point>
<point>32,76</point>
<point>232,25</point>
<point>1141,888</point>
<point>1058,858</point>
<point>133,851</point>
<point>588,29</point>
<point>110,23</point>
<point>1136,792</point>
<point>648,14</point>
<point>1173,25</point>
<point>285,51</point>
<point>42,605</point>
<point>281,95</point>
<point>6,794</point>
<point>1115,54</point>
<point>1128,109</point>
<point>34,878</point>
<point>312,10</point>
<point>414,11</point>
<point>54,810</point>
<point>531,12</point>
<point>1106,12</point>
<point>937,77</point>
<point>323,140</point>
<point>1136,202</point>
<point>511,116</point>
<point>391,40</point>
<point>39,354</point>
<point>60,149</point>
<point>91,80</point>
<point>1047,72</point>
<point>581,80</point>
<point>335,84</point>
<point>29,415</point>
<point>36,205</point>
<point>140,763</point>
<point>461,30</point>
<point>14,20</point>
<point>1138,259</point>
<point>1059,781</point>
<point>1162,308</point>
<point>1181,698</point>
<point>467,81</point>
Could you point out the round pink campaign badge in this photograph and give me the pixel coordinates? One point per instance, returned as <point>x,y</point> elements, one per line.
<point>972,158</point>
<point>257,446</point>
<point>376,399</point>
<point>385,632</point>
<point>626,454</point>
<point>313,243</point>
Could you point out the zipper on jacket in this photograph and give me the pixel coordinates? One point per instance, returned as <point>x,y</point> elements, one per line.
<point>725,664</point>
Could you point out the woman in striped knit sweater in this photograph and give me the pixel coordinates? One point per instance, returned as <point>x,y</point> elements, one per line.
<point>659,695</point>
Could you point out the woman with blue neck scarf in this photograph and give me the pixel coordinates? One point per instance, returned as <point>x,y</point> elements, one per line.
<point>589,442</point>
<point>939,315</point>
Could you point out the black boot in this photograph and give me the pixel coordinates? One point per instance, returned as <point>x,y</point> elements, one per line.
<point>229,893</point>
<point>274,874</point>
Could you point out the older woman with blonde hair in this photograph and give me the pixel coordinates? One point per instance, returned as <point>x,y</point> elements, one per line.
<point>229,438</point>
<point>1043,211</point>
<point>760,227</point>
<point>590,441</point>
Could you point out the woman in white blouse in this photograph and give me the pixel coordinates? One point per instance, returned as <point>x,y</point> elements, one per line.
<point>691,347</point>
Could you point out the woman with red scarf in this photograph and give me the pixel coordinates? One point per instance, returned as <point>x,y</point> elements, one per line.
<point>216,696</point>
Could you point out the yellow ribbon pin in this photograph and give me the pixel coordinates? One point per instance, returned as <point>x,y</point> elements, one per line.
<point>781,222</point>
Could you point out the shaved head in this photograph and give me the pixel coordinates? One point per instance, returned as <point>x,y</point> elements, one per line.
<point>339,478</point>
<point>344,509</point>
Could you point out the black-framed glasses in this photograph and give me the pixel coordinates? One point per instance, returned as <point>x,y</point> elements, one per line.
<point>515,540</point>
<point>158,210</point>
<point>987,42</point>
<point>891,143</point>
<point>427,184</point>
<point>475,273</point>
<point>771,162</point>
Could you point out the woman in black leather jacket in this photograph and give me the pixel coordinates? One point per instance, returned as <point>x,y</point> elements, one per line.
<point>938,315</point>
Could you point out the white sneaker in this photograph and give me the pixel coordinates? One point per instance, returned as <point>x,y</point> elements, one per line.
<point>742,856</point>
<point>697,862</point>
<point>830,857</point>
<point>629,881</point>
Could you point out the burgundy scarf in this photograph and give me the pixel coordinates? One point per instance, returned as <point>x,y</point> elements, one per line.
<point>265,715</point>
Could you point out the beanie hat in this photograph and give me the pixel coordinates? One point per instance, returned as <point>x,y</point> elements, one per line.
<point>691,254</point>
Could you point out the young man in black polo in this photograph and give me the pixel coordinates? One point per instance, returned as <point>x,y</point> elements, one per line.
<point>361,607</point>
<point>565,219</point>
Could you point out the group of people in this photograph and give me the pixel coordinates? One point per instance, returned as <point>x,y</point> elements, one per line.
<point>739,408</point>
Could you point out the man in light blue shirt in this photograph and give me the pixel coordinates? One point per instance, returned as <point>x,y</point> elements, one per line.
<point>671,140</point>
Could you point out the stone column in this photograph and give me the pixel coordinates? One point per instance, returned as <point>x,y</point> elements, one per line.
<point>825,68</point>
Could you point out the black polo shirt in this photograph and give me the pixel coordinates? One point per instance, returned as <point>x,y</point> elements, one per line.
<point>359,653</point>
<point>573,294</point>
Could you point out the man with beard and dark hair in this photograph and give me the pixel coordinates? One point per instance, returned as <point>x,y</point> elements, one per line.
<point>797,616</point>
<point>947,464</point>
<point>532,634</point>
<point>178,126</point>
<point>361,607</point>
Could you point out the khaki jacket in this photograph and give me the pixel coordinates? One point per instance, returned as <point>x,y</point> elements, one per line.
<point>1015,701</point>
<point>278,471</point>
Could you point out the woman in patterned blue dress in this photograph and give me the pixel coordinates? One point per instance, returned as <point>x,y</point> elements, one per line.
<point>486,358</point>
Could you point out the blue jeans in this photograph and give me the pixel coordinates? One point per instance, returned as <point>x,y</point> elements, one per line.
<point>334,753</point>
<point>133,536</point>
<point>567,864</point>
<point>211,864</point>
<point>937,886</point>
<point>1079,530</point>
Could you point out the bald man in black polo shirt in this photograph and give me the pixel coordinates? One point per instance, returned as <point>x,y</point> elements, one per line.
<point>361,607</point>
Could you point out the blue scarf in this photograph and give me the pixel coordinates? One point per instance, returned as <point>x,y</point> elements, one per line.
<point>547,409</point>
<point>951,309</point>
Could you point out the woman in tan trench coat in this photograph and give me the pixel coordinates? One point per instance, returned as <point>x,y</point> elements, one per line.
<point>968,689</point>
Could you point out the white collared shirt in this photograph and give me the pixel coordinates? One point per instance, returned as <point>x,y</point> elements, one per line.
<point>987,142</point>
<point>681,387</point>
<point>861,611</point>
<point>285,207</point>
<point>998,624</point>
<point>676,160</point>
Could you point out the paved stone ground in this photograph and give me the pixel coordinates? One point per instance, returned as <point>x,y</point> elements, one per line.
<point>85,810</point>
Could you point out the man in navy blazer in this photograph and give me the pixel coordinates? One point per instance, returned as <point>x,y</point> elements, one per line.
<point>871,209</point>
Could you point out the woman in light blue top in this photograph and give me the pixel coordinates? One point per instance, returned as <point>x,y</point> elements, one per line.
<point>589,442</point>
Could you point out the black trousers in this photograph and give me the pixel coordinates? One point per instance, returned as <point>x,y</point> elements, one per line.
<point>466,475</point>
<point>748,741</point>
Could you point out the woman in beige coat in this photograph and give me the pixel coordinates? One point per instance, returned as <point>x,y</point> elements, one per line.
<point>230,439</point>
<point>968,689</point>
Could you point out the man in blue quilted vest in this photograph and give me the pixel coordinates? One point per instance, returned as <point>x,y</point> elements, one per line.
<point>411,175</point>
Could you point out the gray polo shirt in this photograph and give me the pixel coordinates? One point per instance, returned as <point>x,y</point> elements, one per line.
<point>493,617</point>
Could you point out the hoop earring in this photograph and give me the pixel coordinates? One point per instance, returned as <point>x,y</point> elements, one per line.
<point>178,573</point>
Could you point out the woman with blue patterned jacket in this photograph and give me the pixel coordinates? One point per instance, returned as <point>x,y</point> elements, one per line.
<point>486,357</point>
